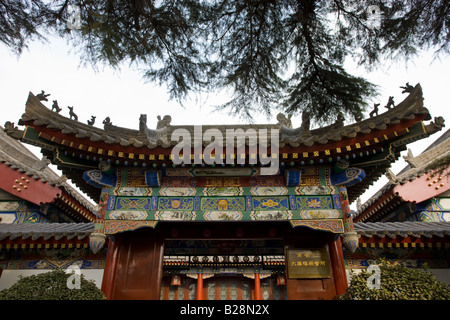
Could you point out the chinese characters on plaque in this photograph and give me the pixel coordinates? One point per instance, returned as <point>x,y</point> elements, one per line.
<point>309,263</point>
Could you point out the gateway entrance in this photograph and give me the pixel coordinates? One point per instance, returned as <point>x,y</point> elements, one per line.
<point>217,269</point>
<point>233,261</point>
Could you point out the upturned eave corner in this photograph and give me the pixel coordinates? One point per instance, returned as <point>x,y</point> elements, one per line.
<point>12,130</point>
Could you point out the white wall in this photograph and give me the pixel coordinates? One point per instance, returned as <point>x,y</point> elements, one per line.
<point>442,275</point>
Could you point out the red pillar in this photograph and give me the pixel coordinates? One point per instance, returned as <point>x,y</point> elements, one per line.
<point>338,265</point>
<point>109,273</point>
<point>257,287</point>
<point>200,286</point>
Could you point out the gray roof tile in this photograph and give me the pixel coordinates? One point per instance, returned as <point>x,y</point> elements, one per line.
<point>406,228</point>
<point>38,230</point>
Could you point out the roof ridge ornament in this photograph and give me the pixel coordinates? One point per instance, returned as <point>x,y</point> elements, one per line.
<point>107,124</point>
<point>72,114</point>
<point>306,123</point>
<point>42,96</point>
<point>61,180</point>
<point>91,121</point>
<point>11,130</point>
<point>374,112</point>
<point>164,122</point>
<point>410,159</point>
<point>284,121</point>
<point>41,164</point>
<point>436,125</point>
<point>392,177</point>
<point>390,104</point>
<point>56,107</point>
<point>407,88</point>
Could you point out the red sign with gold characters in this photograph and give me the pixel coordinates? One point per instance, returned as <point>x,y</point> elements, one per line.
<point>308,263</point>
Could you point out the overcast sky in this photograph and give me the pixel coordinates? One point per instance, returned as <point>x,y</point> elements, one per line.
<point>123,95</point>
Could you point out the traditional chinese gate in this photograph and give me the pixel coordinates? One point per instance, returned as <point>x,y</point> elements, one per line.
<point>235,287</point>
<point>146,264</point>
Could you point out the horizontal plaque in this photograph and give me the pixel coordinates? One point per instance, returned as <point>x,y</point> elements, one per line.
<point>308,263</point>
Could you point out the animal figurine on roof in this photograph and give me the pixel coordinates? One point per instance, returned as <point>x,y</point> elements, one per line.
<point>357,116</point>
<point>390,103</point>
<point>374,112</point>
<point>55,106</point>
<point>284,121</point>
<point>407,88</point>
<point>42,96</point>
<point>164,122</point>
<point>107,121</point>
<point>72,114</point>
<point>142,123</point>
<point>340,120</point>
<point>306,122</point>
<point>92,121</point>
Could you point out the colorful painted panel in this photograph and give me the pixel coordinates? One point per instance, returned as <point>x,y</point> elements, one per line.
<point>271,215</point>
<point>434,216</point>
<point>177,192</point>
<point>444,203</point>
<point>133,204</point>
<point>336,201</point>
<point>222,203</point>
<point>179,182</point>
<point>319,214</point>
<point>319,202</point>
<point>267,181</point>
<point>270,203</point>
<point>223,191</point>
<point>315,176</point>
<point>223,215</point>
<point>175,215</point>
<point>128,215</point>
<point>316,190</point>
<point>9,205</point>
<point>269,191</point>
<point>133,191</point>
<point>179,203</point>
<point>332,225</point>
<point>8,217</point>
<point>135,177</point>
<point>116,226</point>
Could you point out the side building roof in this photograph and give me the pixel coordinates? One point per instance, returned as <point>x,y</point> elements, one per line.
<point>415,176</point>
<point>19,161</point>
<point>45,235</point>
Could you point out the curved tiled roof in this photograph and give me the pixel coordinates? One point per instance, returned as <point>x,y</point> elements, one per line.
<point>34,231</point>
<point>40,115</point>
<point>417,168</point>
<point>46,231</point>
<point>16,156</point>
<point>403,229</point>
<point>371,144</point>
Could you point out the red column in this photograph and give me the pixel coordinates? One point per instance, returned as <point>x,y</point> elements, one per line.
<point>257,287</point>
<point>338,265</point>
<point>200,286</point>
<point>109,273</point>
